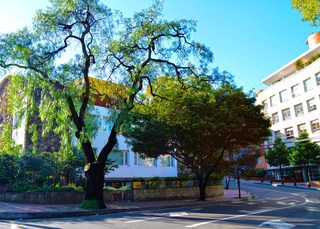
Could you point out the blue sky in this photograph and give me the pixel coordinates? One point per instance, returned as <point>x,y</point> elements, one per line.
<point>249,38</point>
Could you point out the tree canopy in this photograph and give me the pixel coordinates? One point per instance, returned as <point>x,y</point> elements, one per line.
<point>305,152</point>
<point>197,124</point>
<point>241,162</point>
<point>72,40</point>
<point>278,155</point>
<point>310,10</point>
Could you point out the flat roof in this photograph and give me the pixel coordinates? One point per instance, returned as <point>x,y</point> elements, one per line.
<point>290,68</point>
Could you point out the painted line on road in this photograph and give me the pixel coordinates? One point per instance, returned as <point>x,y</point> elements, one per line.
<point>252,213</point>
<point>164,215</point>
<point>14,225</point>
<point>277,223</point>
<point>141,220</point>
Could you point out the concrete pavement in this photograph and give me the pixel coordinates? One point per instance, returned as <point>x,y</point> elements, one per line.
<point>298,185</point>
<point>31,211</point>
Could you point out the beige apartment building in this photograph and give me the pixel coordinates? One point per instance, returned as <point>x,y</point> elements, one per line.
<point>292,101</point>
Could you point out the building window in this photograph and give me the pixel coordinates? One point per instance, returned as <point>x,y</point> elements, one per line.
<point>298,109</point>
<point>318,78</point>
<point>277,134</point>
<point>295,90</point>
<point>15,121</point>
<point>289,132</point>
<point>315,126</point>
<point>265,104</point>
<point>1,120</point>
<point>307,84</point>
<point>311,103</point>
<point>259,161</point>
<point>275,117</point>
<point>106,124</point>
<point>286,114</point>
<point>138,159</point>
<point>119,157</point>
<point>283,96</point>
<point>142,160</point>
<point>301,128</point>
<point>273,101</point>
<point>166,161</point>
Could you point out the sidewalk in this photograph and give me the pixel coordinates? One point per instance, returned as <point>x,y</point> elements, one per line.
<point>299,185</point>
<point>11,211</point>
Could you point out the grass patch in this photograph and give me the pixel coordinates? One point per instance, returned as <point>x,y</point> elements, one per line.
<point>90,205</point>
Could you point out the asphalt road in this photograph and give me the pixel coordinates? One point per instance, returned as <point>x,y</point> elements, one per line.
<point>272,207</point>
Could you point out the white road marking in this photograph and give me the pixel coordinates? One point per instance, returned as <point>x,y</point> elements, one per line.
<point>141,220</point>
<point>177,214</point>
<point>12,225</point>
<point>168,214</point>
<point>278,224</point>
<point>252,213</point>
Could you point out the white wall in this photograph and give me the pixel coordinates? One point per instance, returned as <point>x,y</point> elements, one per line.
<point>19,130</point>
<point>296,78</point>
<point>130,170</point>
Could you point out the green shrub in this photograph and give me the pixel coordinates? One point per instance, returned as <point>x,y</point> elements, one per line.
<point>90,205</point>
<point>299,64</point>
<point>260,173</point>
<point>171,182</point>
<point>8,170</point>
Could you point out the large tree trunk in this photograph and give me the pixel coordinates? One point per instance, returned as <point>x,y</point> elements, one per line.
<point>228,178</point>
<point>202,183</point>
<point>95,182</point>
<point>94,170</point>
<point>202,192</point>
<point>308,173</point>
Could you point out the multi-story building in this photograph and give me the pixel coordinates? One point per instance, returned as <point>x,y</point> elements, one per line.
<point>130,164</point>
<point>292,101</point>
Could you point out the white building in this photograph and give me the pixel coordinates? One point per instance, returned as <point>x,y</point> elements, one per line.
<point>131,164</point>
<point>292,99</point>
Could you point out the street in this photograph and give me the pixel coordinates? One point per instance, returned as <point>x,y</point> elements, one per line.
<point>272,207</point>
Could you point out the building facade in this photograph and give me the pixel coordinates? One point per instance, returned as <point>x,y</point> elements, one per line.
<point>130,164</point>
<point>292,101</point>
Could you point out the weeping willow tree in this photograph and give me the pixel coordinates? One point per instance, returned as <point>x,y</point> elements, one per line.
<point>72,40</point>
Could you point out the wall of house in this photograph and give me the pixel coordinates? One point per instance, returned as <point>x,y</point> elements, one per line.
<point>51,142</point>
<point>308,116</point>
<point>131,168</point>
<point>4,116</point>
<point>289,129</point>
<point>20,125</point>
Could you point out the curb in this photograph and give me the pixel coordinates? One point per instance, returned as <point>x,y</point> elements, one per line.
<point>288,186</point>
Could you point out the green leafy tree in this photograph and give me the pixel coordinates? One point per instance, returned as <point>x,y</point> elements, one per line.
<point>310,10</point>
<point>241,162</point>
<point>278,155</point>
<point>72,39</point>
<point>197,124</point>
<point>7,144</point>
<point>305,152</point>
